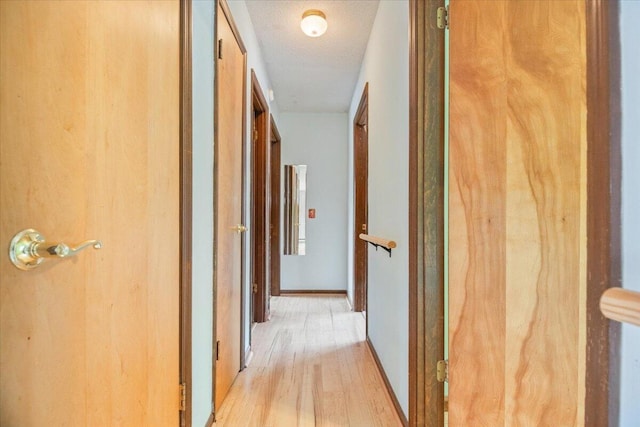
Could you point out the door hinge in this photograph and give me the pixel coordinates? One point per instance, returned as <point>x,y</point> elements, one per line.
<point>217,350</point>
<point>255,135</point>
<point>183,396</point>
<point>220,49</point>
<point>443,18</point>
<point>442,371</point>
<point>255,288</point>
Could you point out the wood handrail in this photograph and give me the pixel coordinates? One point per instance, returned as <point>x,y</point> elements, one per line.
<point>379,241</point>
<point>621,305</point>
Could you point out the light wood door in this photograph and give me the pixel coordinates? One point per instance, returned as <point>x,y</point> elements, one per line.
<point>517,213</point>
<point>230,88</point>
<point>89,147</point>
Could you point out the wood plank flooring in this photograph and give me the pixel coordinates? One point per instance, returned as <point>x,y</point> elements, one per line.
<point>311,367</point>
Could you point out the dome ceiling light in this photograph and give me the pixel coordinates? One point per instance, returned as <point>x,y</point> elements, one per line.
<point>314,23</point>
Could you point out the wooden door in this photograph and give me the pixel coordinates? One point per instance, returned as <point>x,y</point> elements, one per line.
<point>89,147</point>
<point>517,213</point>
<point>230,72</point>
<point>274,220</point>
<point>361,200</point>
<point>260,196</point>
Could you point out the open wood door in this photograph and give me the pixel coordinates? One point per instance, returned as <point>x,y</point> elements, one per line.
<point>517,213</point>
<point>89,148</point>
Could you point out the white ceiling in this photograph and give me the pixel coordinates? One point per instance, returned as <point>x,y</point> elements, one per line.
<point>313,74</point>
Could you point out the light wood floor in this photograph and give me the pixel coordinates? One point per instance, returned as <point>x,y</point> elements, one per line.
<point>311,367</point>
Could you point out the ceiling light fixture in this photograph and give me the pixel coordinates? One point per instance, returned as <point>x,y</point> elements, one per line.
<point>313,23</point>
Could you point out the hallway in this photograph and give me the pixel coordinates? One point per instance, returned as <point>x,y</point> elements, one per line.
<point>311,367</point>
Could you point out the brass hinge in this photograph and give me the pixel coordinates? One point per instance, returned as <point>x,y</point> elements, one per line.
<point>255,288</point>
<point>442,371</point>
<point>220,49</point>
<point>183,396</point>
<point>255,135</point>
<point>217,350</point>
<point>443,18</point>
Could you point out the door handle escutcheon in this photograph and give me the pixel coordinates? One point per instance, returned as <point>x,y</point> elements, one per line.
<point>28,249</point>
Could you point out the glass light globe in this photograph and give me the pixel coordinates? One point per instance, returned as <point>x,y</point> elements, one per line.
<point>314,23</point>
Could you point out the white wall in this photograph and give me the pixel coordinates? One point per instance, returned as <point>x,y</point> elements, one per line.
<point>630,365</point>
<point>255,61</point>
<point>386,68</point>
<point>318,140</point>
<point>202,247</point>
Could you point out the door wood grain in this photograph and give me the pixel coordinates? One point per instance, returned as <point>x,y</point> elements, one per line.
<point>230,86</point>
<point>89,147</point>
<point>517,213</point>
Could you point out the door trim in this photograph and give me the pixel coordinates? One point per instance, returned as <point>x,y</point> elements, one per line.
<point>426,213</point>
<point>275,191</point>
<point>603,209</point>
<point>260,202</point>
<point>186,207</point>
<point>360,216</point>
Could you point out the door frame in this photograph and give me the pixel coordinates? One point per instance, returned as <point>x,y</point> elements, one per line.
<point>426,211</point>
<point>259,202</point>
<point>604,162</point>
<point>360,200</point>
<point>275,191</point>
<point>186,210</point>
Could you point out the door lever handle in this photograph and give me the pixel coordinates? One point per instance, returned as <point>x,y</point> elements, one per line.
<point>29,249</point>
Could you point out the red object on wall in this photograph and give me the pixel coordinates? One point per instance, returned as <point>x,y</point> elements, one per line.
<point>312,213</point>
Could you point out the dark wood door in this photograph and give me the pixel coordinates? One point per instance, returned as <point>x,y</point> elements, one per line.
<point>274,253</point>
<point>361,191</point>
<point>260,195</point>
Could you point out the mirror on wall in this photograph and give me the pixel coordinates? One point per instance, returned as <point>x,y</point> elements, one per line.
<point>295,206</point>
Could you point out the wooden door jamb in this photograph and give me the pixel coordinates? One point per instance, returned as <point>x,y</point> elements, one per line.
<point>426,213</point>
<point>603,209</point>
<point>186,209</point>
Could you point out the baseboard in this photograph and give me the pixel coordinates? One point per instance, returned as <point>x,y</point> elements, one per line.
<point>387,384</point>
<point>313,291</point>
<point>210,420</point>
<point>349,302</point>
<point>248,358</point>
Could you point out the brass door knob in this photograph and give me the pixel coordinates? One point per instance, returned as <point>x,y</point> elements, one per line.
<point>239,228</point>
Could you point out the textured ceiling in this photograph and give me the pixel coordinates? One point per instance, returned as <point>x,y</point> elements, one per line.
<point>313,74</point>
